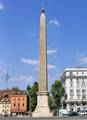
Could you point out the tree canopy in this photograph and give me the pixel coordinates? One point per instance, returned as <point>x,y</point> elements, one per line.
<point>57,92</point>
<point>32,96</point>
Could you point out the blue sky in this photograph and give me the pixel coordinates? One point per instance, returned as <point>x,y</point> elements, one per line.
<point>19,38</point>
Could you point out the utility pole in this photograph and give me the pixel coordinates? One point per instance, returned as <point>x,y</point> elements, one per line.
<point>7,77</point>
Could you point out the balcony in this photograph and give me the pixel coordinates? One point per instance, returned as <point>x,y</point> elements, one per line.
<point>76,101</point>
<point>16,110</point>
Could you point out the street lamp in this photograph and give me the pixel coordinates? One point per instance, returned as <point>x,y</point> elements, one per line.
<point>7,77</point>
<point>18,106</point>
<point>6,106</point>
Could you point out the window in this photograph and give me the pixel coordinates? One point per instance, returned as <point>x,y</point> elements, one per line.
<point>18,104</point>
<point>2,110</point>
<point>83,91</point>
<point>78,96</point>
<point>7,106</point>
<point>23,99</point>
<point>83,97</point>
<point>18,99</point>
<point>78,91</point>
<point>77,82</point>
<point>14,104</point>
<point>23,104</point>
<point>83,83</point>
<point>71,83</point>
<point>71,91</point>
<point>71,94</point>
<point>71,80</point>
<point>71,73</point>
<point>83,80</point>
<point>83,94</point>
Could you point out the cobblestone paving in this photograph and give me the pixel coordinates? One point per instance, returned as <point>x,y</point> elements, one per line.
<point>54,118</point>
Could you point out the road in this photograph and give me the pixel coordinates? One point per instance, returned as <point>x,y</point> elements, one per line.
<point>53,118</point>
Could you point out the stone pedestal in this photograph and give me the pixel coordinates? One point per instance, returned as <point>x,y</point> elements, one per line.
<point>42,109</point>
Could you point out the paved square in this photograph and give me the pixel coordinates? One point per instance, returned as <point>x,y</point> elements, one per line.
<point>52,118</point>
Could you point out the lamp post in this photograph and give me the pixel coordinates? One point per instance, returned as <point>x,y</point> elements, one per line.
<point>5,107</point>
<point>7,77</point>
<point>18,110</point>
<point>18,106</point>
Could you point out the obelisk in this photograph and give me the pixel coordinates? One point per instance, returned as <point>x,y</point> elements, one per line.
<point>42,109</point>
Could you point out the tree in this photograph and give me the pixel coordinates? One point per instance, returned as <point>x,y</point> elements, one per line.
<point>15,88</point>
<point>32,93</point>
<point>57,91</point>
<point>28,100</point>
<point>52,104</point>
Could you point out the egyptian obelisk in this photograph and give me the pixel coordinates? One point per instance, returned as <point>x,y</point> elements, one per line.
<point>42,109</point>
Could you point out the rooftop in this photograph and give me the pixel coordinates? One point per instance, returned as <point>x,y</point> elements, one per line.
<point>76,69</point>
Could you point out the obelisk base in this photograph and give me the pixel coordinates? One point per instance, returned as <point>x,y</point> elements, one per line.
<point>42,109</point>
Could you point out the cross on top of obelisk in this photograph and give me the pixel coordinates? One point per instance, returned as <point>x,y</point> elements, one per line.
<point>43,6</point>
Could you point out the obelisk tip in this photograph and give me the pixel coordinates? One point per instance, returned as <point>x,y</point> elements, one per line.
<point>43,7</point>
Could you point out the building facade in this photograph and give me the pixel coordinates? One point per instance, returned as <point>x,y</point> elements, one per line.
<point>18,104</point>
<point>5,102</point>
<point>7,92</point>
<point>75,83</point>
<point>4,108</point>
<point>13,101</point>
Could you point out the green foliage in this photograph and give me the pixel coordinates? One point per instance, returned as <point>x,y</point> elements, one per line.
<point>28,100</point>
<point>15,88</point>
<point>32,95</point>
<point>57,91</point>
<point>52,104</point>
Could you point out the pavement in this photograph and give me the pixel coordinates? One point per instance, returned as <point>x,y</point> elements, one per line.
<point>52,118</point>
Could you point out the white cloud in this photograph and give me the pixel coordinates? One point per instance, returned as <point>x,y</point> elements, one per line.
<point>29,61</point>
<point>49,66</point>
<point>1,6</point>
<point>51,51</point>
<point>35,62</point>
<point>25,78</point>
<point>83,59</point>
<point>54,22</point>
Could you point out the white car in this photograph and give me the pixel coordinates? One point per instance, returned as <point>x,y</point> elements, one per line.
<point>82,112</point>
<point>63,112</point>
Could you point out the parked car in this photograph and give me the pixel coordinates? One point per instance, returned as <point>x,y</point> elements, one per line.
<point>85,112</point>
<point>63,112</point>
<point>82,112</point>
<point>73,113</point>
